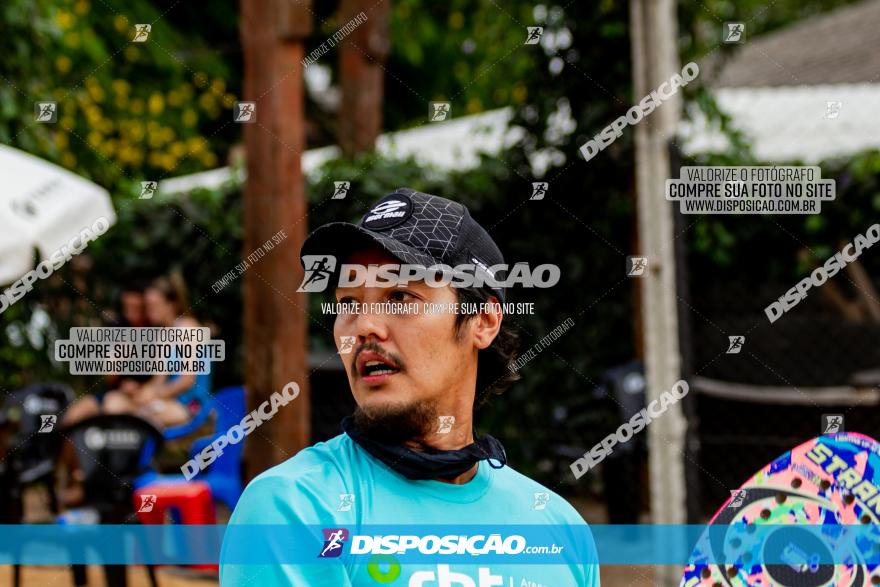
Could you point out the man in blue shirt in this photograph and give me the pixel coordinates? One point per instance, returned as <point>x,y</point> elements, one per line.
<point>419,358</point>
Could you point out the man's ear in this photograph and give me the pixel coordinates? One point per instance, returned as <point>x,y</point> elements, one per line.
<point>487,323</point>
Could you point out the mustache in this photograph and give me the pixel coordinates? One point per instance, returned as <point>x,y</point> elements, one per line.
<point>374,347</point>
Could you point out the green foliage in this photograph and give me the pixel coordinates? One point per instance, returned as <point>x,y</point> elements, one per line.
<point>126,111</point>
<point>789,245</point>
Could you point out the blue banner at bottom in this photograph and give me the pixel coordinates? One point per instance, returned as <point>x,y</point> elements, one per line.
<point>771,544</point>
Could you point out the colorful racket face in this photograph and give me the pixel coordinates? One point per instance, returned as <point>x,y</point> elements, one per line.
<point>831,480</point>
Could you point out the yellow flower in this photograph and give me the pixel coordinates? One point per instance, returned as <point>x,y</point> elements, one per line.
<point>178,149</point>
<point>208,159</point>
<point>196,145</point>
<point>68,160</point>
<point>136,157</point>
<point>218,86</point>
<point>136,131</point>
<point>96,92</point>
<point>120,23</point>
<point>81,7</point>
<point>72,39</point>
<point>64,19</point>
<point>200,79</point>
<point>132,53</point>
<point>190,118</point>
<point>520,93</point>
<point>94,139</point>
<point>93,114</point>
<point>61,140</point>
<point>109,147</point>
<point>169,162</point>
<point>229,100</point>
<point>155,159</point>
<point>175,98</point>
<point>137,106</point>
<point>106,126</point>
<point>154,139</point>
<point>168,134</point>
<point>63,63</point>
<point>121,102</point>
<point>456,20</point>
<point>156,103</point>
<point>206,101</point>
<point>474,105</point>
<point>121,87</point>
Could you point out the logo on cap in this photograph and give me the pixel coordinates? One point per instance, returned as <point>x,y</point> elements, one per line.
<point>388,213</point>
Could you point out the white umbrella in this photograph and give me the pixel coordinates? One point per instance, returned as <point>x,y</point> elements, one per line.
<point>42,206</point>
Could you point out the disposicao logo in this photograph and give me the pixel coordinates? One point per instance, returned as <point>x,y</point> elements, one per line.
<point>334,538</point>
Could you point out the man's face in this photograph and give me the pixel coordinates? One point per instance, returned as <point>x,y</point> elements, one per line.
<point>160,312</point>
<point>133,308</point>
<point>408,362</point>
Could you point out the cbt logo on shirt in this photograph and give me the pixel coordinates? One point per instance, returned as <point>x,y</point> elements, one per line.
<point>445,577</point>
<point>334,538</point>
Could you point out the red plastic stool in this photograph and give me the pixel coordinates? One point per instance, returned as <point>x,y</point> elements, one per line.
<point>192,501</point>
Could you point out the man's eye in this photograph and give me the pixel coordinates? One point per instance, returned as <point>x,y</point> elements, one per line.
<point>399,296</point>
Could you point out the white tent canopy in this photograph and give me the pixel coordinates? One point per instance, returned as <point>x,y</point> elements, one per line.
<point>793,123</point>
<point>42,206</point>
<point>453,144</point>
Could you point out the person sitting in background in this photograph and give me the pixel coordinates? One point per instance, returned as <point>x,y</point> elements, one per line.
<point>133,313</point>
<point>165,400</point>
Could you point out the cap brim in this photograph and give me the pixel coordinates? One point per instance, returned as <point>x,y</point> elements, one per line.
<point>341,239</point>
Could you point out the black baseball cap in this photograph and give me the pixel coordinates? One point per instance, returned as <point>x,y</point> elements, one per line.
<point>416,228</point>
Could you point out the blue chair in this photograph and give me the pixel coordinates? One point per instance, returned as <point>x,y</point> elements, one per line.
<point>224,474</point>
<point>201,393</point>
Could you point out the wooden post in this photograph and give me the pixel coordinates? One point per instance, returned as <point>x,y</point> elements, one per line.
<point>275,321</point>
<point>361,75</point>
<point>655,59</point>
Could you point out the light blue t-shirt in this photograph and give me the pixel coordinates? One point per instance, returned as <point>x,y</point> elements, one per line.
<point>337,484</point>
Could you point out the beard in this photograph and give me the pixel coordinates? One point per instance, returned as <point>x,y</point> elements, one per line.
<point>394,424</point>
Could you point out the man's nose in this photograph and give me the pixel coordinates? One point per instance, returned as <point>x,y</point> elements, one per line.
<point>370,323</point>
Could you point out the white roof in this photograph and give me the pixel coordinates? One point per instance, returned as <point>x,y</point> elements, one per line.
<point>791,123</point>
<point>453,144</point>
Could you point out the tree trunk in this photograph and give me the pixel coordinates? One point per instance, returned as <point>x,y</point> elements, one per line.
<point>275,319</point>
